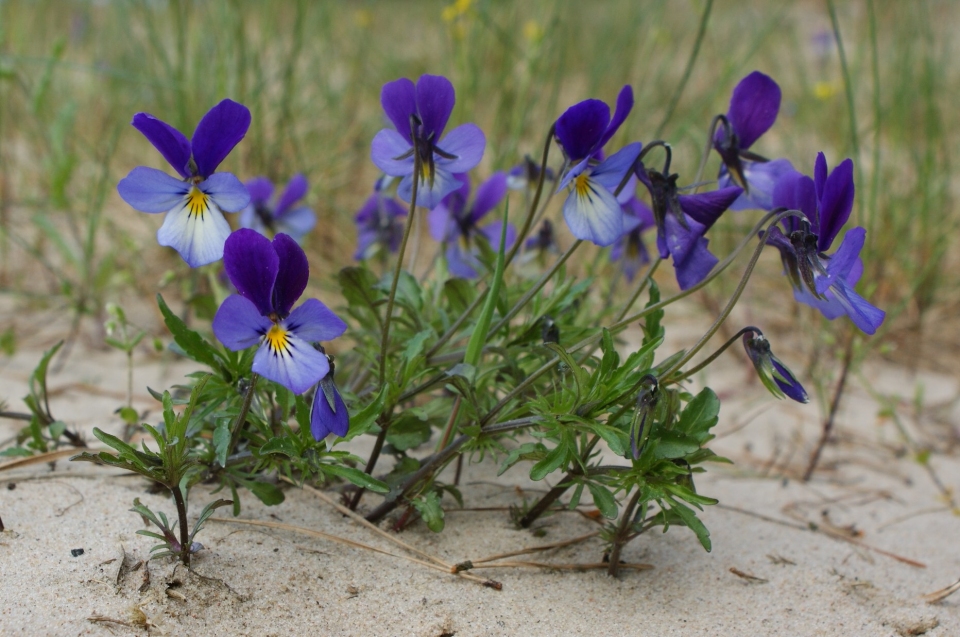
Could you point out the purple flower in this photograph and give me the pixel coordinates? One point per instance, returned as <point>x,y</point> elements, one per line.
<point>328,413</point>
<point>545,240</point>
<point>591,210</point>
<point>194,225</point>
<point>823,281</point>
<point>753,110</point>
<point>630,249</point>
<point>283,216</point>
<point>426,107</point>
<point>270,277</point>
<point>682,220</point>
<point>378,225</point>
<point>774,375</point>
<point>454,223</point>
<point>526,175</point>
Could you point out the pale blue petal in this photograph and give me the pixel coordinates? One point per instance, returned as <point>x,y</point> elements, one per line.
<point>238,323</point>
<point>298,366</point>
<point>467,142</point>
<point>387,145</point>
<point>227,191</point>
<point>198,238</point>
<point>313,322</point>
<point>593,214</point>
<point>152,190</point>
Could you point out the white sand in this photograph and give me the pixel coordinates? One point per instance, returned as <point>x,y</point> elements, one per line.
<point>271,582</point>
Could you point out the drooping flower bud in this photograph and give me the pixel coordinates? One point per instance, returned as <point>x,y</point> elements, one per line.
<point>774,375</point>
<point>646,406</point>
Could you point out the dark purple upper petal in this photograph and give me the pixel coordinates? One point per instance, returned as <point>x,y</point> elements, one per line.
<point>260,189</point>
<point>707,207</point>
<point>792,387</point>
<point>252,265</point>
<point>435,100</point>
<point>581,126</point>
<point>753,107</point>
<point>171,143</point>
<point>218,132</point>
<point>624,106</point>
<point>293,272</point>
<point>796,191</point>
<point>293,193</point>
<point>836,203</point>
<point>399,101</point>
<point>456,201</point>
<point>820,173</point>
<point>489,195</point>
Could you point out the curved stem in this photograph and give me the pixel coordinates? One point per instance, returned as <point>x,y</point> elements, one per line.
<point>710,358</point>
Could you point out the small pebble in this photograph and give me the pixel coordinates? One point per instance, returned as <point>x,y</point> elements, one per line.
<point>76,552</point>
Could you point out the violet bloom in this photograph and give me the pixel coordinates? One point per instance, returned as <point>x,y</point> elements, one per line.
<point>823,281</point>
<point>328,413</point>
<point>630,249</point>
<point>282,216</point>
<point>526,175</point>
<point>774,375</point>
<point>545,240</point>
<point>591,209</point>
<point>753,110</point>
<point>378,223</point>
<point>682,220</point>
<point>426,107</point>
<point>454,223</point>
<point>270,277</point>
<point>194,225</point>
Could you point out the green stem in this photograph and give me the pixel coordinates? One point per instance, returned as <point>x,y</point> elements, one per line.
<point>242,416</point>
<point>619,539</point>
<point>851,107</point>
<point>675,99</point>
<point>184,531</point>
<point>710,358</point>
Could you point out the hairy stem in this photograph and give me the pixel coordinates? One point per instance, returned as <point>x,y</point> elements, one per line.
<point>834,407</point>
<point>620,539</point>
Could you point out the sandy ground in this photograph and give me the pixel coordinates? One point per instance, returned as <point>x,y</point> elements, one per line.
<point>850,553</point>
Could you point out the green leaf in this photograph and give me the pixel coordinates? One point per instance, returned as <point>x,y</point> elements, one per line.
<point>579,376</point>
<point>550,463</point>
<point>192,344</point>
<point>355,476</point>
<point>358,287</point>
<point>690,519</point>
<point>652,330</point>
<point>428,506</point>
<point>522,452</point>
<point>603,500</point>
<point>408,433</point>
<point>282,445</point>
<point>460,293</point>
<point>689,495</point>
<point>479,337</point>
<point>415,345</point>
<point>221,440</point>
<point>614,438</point>
<point>269,494</point>
<point>700,414</point>
<point>363,421</point>
<point>673,444</point>
<point>129,415</point>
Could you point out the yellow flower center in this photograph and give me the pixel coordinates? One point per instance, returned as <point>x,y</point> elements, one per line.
<point>581,184</point>
<point>277,341</point>
<point>197,202</point>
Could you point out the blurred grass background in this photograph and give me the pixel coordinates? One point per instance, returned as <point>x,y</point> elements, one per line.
<point>72,74</point>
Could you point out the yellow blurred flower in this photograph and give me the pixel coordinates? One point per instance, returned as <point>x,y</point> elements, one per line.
<point>825,90</point>
<point>456,10</point>
<point>363,18</point>
<point>532,31</point>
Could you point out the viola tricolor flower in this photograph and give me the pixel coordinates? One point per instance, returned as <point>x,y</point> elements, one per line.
<point>194,225</point>
<point>591,209</point>
<point>774,375</point>
<point>454,223</point>
<point>270,277</point>
<point>284,216</point>
<point>545,240</point>
<point>378,223</point>
<point>682,220</point>
<point>422,111</point>
<point>823,281</point>
<point>526,176</point>
<point>754,106</point>
<point>328,413</point>
<point>630,249</point>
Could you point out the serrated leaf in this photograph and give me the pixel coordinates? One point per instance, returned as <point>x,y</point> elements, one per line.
<point>613,437</point>
<point>355,476</point>
<point>603,500</point>
<point>192,344</point>
<point>415,345</point>
<point>428,506</point>
<point>700,414</point>
<point>550,463</point>
<point>358,287</point>
<point>690,519</point>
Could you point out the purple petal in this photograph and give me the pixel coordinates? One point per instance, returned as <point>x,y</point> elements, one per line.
<point>489,195</point>
<point>695,268</point>
<point>226,191</point>
<point>796,191</point>
<point>761,177</point>
<point>399,101</point>
<point>238,323</point>
<point>327,417</point>
<point>442,225</point>
<point>171,143</point>
<point>260,189</point>
<point>368,211</point>
<point>592,213</point>
<point>152,190</point>
<point>314,322</point>
<point>681,240</point>
<point>753,107</point>
<point>624,106</point>
<point>252,265</point>
<point>435,100</point>
<point>199,238</point>
<point>218,132</point>
<point>365,239</point>
<point>297,222</point>
<point>581,127</point>
<point>456,201</point>
<point>843,260</point>
<point>429,197</point>
<point>793,389</point>
<point>614,168</point>
<point>248,218</point>
<point>462,262</point>
<point>864,315</point>
<point>293,272</point>
<point>494,230</point>
<point>707,207</point>
<point>293,193</point>
<point>836,203</point>
<point>296,365</point>
<point>467,142</point>
<point>830,307</point>
<point>387,145</point>
<point>820,173</point>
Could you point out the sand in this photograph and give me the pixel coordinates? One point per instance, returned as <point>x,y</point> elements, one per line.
<point>849,553</point>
